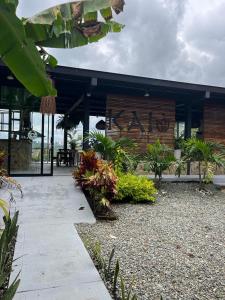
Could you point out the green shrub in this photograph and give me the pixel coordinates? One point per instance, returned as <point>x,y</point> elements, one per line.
<point>208,154</point>
<point>135,189</point>
<point>159,158</point>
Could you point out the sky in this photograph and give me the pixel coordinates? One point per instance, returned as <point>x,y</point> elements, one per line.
<point>182,40</point>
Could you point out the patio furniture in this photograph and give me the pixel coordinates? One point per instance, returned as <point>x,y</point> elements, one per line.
<point>65,157</point>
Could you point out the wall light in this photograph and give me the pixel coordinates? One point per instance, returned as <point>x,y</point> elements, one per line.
<point>10,77</point>
<point>207,95</point>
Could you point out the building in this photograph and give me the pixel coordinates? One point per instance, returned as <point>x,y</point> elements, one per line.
<point>144,109</point>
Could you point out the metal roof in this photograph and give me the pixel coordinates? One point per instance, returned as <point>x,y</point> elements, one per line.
<point>74,83</point>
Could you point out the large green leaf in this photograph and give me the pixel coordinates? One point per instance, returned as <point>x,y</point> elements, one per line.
<point>72,24</point>
<point>12,4</point>
<point>20,54</point>
<point>4,207</point>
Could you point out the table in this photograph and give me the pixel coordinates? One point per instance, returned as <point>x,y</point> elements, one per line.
<point>66,157</point>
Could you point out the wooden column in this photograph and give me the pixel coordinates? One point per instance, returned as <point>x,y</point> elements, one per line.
<point>65,133</point>
<point>86,125</point>
<point>188,125</point>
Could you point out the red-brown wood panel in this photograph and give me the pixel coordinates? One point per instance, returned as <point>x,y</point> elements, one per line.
<point>143,119</point>
<point>214,121</point>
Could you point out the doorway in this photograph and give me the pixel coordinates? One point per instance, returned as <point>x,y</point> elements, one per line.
<point>26,135</point>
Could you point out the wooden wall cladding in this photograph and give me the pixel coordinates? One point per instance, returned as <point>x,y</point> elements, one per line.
<point>143,119</point>
<point>214,121</point>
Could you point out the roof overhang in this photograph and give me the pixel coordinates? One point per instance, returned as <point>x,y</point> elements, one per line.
<point>74,83</point>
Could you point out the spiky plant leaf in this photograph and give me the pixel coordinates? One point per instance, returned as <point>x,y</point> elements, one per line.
<point>116,274</point>
<point>11,290</point>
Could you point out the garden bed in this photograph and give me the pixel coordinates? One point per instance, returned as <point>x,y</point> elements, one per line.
<point>174,248</point>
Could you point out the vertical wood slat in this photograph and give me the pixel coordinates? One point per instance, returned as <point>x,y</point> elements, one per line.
<point>214,121</point>
<point>143,119</point>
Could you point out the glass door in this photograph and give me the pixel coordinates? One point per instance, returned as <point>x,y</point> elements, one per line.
<point>30,143</point>
<point>48,142</point>
<point>26,136</point>
<point>4,138</point>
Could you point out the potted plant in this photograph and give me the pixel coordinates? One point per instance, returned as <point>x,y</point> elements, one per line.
<point>73,144</point>
<point>178,147</point>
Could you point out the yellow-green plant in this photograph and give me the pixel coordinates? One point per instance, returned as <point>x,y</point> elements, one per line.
<point>135,189</point>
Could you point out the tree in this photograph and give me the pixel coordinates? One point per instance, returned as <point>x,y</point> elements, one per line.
<point>68,25</point>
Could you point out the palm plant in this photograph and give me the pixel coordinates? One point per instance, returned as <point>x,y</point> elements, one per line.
<point>206,153</point>
<point>120,152</point>
<point>159,158</point>
<point>107,147</point>
<point>102,144</point>
<point>67,122</point>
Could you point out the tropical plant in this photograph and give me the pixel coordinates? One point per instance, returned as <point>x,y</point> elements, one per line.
<point>101,185</point>
<point>68,122</point>
<point>125,162</point>
<point>102,144</point>
<point>67,25</point>
<point>88,163</point>
<point>206,153</point>
<point>98,178</point>
<point>126,293</point>
<point>4,207</point>
<point>9,183</point>
<point>104,265</point>
<point>110,272</point>
<point>74,139</point>
<point>179,142</point>
<point>179,165</point>
<point>159,158</point>
<point>2,158</point>
<point>106,146</point>
<point>135,189</point>
<point>7,241</point>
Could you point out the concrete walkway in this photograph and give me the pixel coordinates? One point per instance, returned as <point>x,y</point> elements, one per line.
<point>54,263</point>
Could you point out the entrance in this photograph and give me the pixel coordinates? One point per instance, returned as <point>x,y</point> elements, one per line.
<point>26,136</point>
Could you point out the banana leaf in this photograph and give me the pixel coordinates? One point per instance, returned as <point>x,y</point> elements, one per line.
<point>4,207</point>
<point>73,24</point>
<point>12,4</point>
<point>20,54</point>
<point>68,25</point>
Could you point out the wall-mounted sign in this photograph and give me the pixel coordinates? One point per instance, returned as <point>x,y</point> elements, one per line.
<point>32,135</point>
<point>133,121</point>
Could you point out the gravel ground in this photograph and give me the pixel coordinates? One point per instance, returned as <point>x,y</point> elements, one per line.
<point>174,248</point>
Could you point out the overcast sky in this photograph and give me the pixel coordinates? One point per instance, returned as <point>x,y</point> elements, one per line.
<point>180,40</point>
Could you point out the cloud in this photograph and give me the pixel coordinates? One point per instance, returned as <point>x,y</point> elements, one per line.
<point>180,40</point>
<point>206,45</point>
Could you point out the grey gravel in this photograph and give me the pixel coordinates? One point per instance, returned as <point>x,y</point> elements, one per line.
<point>174,248</point>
